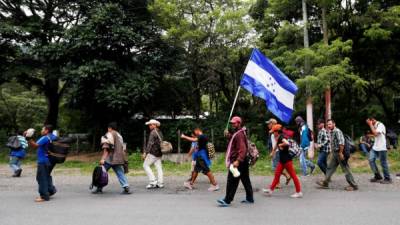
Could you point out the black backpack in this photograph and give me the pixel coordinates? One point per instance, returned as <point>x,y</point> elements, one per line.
<point>99,177</point>
<point>349,146</point>
<point>58,150</point>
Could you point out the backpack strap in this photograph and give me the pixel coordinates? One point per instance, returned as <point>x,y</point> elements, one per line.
<point>155,129</point>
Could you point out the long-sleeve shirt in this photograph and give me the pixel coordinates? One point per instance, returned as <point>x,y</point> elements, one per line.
<point>239,147</point>
<point>323,140</point>
<point>153,144</point>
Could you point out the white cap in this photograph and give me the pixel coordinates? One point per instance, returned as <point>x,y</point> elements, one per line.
<point>152,121</point>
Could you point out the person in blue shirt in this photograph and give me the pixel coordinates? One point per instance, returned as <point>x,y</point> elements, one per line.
<point>305,144</point>
<point>17,155</point>
<point>44,165</point>
<point>203,164</point>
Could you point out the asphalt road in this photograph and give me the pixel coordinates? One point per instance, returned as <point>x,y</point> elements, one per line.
<point>373,204</point>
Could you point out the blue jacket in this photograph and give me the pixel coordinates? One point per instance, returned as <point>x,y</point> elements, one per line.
<point>304,140</point>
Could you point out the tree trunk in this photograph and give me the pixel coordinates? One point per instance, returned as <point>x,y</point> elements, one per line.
<point>328,110</point>
<point>307,68</point>
<point>53,101</point>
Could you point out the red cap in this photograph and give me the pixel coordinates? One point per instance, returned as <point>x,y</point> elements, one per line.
<point>236,119</point>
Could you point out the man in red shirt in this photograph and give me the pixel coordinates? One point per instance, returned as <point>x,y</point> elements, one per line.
<point>237,157</point>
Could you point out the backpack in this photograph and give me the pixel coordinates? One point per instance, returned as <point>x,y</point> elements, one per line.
<point>58,150</point>
<point>13,143</point>
<point>349,146</point>
<point>252,153</point>
<point>294,149</point>
<point>99,177</point>
<point>211,150</point>
<point>310,134</point>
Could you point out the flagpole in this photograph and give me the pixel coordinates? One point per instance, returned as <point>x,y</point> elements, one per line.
<point>233,107</point>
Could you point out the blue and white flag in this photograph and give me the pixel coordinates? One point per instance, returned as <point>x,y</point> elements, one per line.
<point>263,79</point>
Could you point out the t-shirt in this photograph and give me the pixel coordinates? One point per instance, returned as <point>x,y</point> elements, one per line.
<point>43,142</point>
<point>273,141</point>
<point>284,156</point>
<point>380,139</point>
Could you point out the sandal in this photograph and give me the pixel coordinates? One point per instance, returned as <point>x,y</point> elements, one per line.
<point>40,199</point>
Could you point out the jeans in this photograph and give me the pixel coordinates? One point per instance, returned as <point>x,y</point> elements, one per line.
<point>275,161</point>
<point>382,155</point>
<point>119,171</point>
<point>150,160</point>
<point>364,149</point>
<point>15,163</point>
<point>323,161</point>
<point>45,181</point>
<point>334,162</point>
<point>304,162</point>
<point>233,183</point>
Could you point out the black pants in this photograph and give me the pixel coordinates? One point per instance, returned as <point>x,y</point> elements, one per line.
<point>233,183</point>
<point>45,181</point>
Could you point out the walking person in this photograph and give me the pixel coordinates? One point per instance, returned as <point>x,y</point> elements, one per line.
<point>379,150</point>
<point>193,148</point>
<point>274,156</point>
<point>305,140</point>
<point>237,157</point>
<point>285,162</point>
<point>152,155</point>
<point>18,154</point>
<point>323,146</point>
<point>337,158</point>
<point>202,165</point>
<point>114,156</point>
<point>44,165</point>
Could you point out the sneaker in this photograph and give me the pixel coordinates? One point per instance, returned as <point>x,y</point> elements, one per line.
<point>297,195</point>
<point>386,181</point>
<point>267,191</point>
<point>222,203</point>
<point>351,188</point>
<point>213,188</point>
<point>126,191</point>
<point>375,180</point>
<point>398,176</point>
<point>98,191</point>
<point>188,185</point>
<point>245,201</point>
<point>18,173</point>
<point>160,185</point>
<point>151,186</point>
<point>322,184</point>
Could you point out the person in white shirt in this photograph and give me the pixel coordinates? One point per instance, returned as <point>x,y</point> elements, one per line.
<point>379,150</point>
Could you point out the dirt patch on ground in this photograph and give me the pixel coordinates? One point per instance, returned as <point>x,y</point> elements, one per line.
<point>85,157</point>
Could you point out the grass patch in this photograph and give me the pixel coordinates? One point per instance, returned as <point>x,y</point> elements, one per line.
<point>358,164</point>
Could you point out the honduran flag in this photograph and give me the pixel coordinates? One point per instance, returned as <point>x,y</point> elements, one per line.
<point>263,79</point>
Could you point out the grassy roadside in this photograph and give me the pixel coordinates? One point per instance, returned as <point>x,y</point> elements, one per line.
<point>86,162</point>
